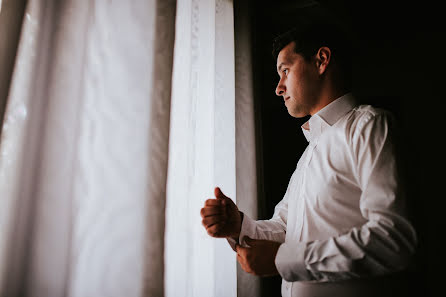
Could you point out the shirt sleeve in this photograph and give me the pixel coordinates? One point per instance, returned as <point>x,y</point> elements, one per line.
<point>273,229</point>
<point>385,243</point>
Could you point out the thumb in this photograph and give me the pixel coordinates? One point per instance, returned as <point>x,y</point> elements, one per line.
<point>219,194</point>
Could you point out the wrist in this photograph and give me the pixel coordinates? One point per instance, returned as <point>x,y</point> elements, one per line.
<point>239,229</point>
<point>236,235</point>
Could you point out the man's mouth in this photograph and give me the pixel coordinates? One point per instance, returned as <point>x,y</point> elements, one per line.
<point>286,98</point>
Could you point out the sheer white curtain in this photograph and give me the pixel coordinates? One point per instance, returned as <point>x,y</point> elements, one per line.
<point>84,150</point>
<point>85,155</point>
<point>202,149</point>
<point>212,144</point>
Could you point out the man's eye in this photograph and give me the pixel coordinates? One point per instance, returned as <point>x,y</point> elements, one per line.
<point>285,71</point>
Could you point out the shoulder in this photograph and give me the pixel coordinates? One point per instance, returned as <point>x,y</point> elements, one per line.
<point>366,113</point>
<point>368,120</point>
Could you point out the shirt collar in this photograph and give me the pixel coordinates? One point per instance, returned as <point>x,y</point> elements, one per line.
<point>327,116</point>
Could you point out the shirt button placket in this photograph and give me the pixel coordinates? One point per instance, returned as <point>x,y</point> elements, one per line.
<point>301,190</point>
<point>288,286</point>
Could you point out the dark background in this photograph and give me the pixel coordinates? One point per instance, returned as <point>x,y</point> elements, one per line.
<point>399,65</point>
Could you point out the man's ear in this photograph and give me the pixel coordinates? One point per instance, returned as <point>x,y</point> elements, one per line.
<point>322,58</point>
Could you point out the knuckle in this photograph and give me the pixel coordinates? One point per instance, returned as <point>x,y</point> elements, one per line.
<point>212,231</point>
<point>210,220</point>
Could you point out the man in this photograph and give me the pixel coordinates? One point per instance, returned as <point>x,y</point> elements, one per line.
<point>340,229</point>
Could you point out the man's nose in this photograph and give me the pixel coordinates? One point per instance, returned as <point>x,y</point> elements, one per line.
<point>280,89</point>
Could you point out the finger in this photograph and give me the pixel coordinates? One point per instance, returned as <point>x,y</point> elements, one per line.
<point>211,211</point>
<point>219,194</point>
<point>215,230</point>
<point>243,264</point>
<point>212,202</point>
<point>212,220</point>
<point>240,260</point>
<point>241,251</point>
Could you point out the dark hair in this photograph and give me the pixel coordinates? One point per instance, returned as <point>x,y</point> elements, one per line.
<point>309,38</point>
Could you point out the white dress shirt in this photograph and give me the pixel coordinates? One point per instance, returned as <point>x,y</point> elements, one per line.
<point>342,216</point>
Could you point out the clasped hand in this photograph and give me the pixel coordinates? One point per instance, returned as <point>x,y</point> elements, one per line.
<point>221,218</point>
<point>258,258</point>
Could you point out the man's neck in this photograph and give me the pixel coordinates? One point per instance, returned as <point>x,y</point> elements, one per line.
<point>326,97</point>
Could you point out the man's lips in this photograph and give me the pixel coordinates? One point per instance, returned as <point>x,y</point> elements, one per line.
<point>286,98</point>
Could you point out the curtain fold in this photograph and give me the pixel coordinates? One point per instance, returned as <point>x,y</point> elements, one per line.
<point>84,150</point>
<point>159,147</point>
<point>101,178</point>
<point>11,14</point>
<point>202,151</point>
<point>247,155</point>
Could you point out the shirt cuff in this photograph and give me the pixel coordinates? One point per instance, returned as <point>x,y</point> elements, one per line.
<point>248,229</point>
<point>232,242</point>
<point>290,262</point>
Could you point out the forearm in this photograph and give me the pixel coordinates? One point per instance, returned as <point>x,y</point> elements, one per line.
<point>381,246</point>
<point>273,229</point>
